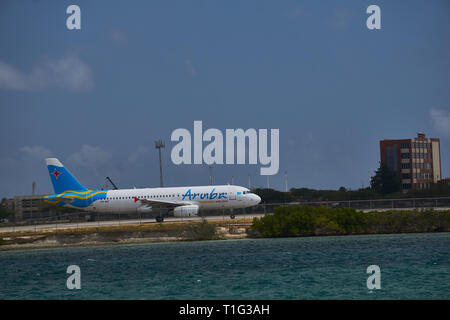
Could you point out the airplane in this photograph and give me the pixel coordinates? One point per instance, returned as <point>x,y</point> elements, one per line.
<point>182,201</point>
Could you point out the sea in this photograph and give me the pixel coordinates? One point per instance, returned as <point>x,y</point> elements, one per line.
<point>407,266</point>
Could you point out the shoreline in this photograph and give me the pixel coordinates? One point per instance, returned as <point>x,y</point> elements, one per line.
<point>117,235</point>
<point>142,234</point>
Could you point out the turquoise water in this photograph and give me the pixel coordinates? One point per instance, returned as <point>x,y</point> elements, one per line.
<point>413,266</point>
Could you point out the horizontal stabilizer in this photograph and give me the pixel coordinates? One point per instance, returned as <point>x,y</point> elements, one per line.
<point>59,199</point>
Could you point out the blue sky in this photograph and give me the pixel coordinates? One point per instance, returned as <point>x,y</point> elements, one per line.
<point>98,97</point>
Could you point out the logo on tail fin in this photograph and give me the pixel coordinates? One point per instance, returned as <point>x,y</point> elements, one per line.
<point>56,173</point>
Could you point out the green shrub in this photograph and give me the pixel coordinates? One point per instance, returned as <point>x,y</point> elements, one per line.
<point>308,220</point>
<point>201,231</point>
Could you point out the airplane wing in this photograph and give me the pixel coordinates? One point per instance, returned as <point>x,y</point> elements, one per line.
<point>159,204</point>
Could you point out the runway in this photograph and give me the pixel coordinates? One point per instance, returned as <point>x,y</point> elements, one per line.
<point>76,225</point>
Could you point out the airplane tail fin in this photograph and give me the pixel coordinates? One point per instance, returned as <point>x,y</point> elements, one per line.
<point>62,179</point>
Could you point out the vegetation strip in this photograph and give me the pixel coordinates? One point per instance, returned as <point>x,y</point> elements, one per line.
<point>289,221</point>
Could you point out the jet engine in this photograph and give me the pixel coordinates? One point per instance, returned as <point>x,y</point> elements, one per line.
<point>186,211</point>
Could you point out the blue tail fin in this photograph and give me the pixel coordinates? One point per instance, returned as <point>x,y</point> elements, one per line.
<point>62,179</point>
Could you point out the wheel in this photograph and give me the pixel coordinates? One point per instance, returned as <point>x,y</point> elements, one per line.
<point>159,219</point>
<point>232,216</point>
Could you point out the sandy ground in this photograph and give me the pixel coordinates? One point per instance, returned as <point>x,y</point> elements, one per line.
<point>113,235</point>
<point>80,225</point>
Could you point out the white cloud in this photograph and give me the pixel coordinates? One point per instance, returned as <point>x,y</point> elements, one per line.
<point>68,73</point>
<point>441,120</point>
<point>10,78</point>
<point>89,156</point>
<point>37,151</point>
<point>137,154</point>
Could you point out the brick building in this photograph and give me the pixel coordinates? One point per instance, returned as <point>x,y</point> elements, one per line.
<point>417,161</point>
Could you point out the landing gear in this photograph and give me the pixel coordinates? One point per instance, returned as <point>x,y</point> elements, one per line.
<point>162,213</point>
<point>232,216</point>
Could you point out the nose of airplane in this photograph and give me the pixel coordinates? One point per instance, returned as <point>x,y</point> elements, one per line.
<point>257,198</point>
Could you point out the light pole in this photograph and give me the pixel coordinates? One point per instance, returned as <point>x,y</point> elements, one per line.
<point>286,180</point>
<point>158,145</point>
<point>210,175</point>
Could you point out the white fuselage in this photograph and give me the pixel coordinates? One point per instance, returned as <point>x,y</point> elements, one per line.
<point>205,197</point>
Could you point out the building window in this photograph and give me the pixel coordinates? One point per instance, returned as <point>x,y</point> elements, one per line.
<point>406,166</point>
<point>404,145</point>
<point>406,176</point>
<point>405,155</point>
